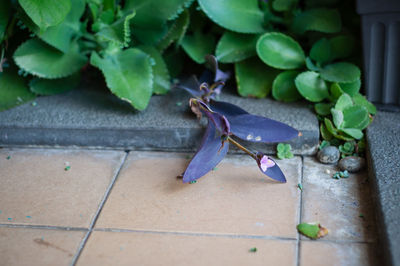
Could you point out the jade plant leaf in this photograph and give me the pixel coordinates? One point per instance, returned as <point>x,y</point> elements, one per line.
<point>335,90</point>
<point>311,86</point>
<point>254,78</point>
<point>13,90</point>
<point>341,72</point>
<point>42,60</point>
<point>60,35</point>
<point>46,13</point>
<point>351,88</point>
<point>323,109</point>
<point>128,74</point>
<point>235,47</point>
<point>326,135</point>
<point>362,101</point>
<point>337,117</point>
<point>355,117</point>
<point>283,88</point>
<point>280,51</point>
<point>198,45</point>
<point>161,83</point>
<point>310,65</point>
<point>318,19</point>
<point>176,31</point>
<point>321,51</point>
<point>353,132</point>
<point>343,102</point>
<point>235,15</point>
<point>54,86</point>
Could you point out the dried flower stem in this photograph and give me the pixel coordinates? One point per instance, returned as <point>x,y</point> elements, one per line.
<point>237,144</point>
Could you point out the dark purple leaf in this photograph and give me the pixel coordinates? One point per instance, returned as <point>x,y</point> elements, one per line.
<point>260,129</point>
<point>191,85</point>
<point>221,123</point>
<point>227,109</point>
<point>208,155</point>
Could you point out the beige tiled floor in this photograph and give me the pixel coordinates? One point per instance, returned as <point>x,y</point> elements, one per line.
<point>113,209</point>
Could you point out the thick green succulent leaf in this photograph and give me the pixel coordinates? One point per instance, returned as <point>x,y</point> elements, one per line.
<point>330,127</point>
<point>321,51</point>
<point>128,75</point>
<point>355,117</point>
<point>60,35</point>
<point>342,46</point>
<point>235,15</point>
<point>176,31</point>
<point>325,134</point>
<point>254,78</point>
<point>311,86</point>
<point>13,90</point>
<point>5,12</point>
<point>341,72</point>
<point>119,32</point>
<point>235,47</point>
<point>351,88</point>
<point>337,116</point>
<point>198,45</point>
<point>362,101</point>
<point>283,88</point>
<point>46,13</point>
<point>283,5</point>
<point>336,90</point>
<point>54,86</point>
<point>343,102</point>
<point>42,60</point>
<point>323,109</point>
<point>310,65</point>
<point>353,132</point>
<point>280,51</point>
<point>161,79</point>
<point>318,19</point>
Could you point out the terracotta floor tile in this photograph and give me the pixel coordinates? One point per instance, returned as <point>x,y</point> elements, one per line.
<point>116,248</point>
<point>35,188</point>
<point>338,204</point>
<point>234,199</point>
<point>24,246</point>
<point>316,253</point>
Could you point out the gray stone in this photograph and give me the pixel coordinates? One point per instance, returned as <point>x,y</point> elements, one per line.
<point>329,155</point>
<point>353,164</point>
<point>383,138</point>
<point>92,117</point>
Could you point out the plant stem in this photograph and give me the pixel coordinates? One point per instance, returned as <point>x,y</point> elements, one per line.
<point>237,144</point>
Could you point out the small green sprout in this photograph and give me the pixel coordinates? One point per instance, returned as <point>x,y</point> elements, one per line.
<point>300,186</point>
<point>67,168</point>
<point>192,182</point>
<point>8,157</point>
<point>284,151</point>
<point>253,250</point>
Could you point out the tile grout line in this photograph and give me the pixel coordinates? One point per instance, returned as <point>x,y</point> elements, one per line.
<point>101,205</point>
<point>300,213</point>
<point>45,227</point>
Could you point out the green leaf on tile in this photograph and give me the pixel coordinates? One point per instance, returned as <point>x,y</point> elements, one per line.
<point>312,230</point>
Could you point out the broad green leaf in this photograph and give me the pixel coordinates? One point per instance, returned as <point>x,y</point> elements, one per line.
<point>351,88</point>
<point>343,102</point>
<point>235,47</point>
<point>310,65</point>
<point>254,78</point>
<point>337,116</point>
<point>42,60</point>
<point>283,5</point>
<point>13,90</point>
<point>362,101</point>
<point>323,109</point>
<point>46,13</point>
<point>128,74</point>
<point>355,117</point>
<point>321,51</point>
<point>318,19</point>
<point>283,88</point>
<point>342,46</point>
<point>280,51</point>
<point>54,86</point>
<point>60,36</point>
<point>161,83</point>
<point>235,15</point>
<point>336,90</point>
<point>312,231</point>
<point>198,45</point>
<point>176,31</point>
<point>325,134</point>
<point>119,32</point>
<point>5,12</point>
<point>311,86</point>
<point>353,132</point>
<point>341,72</point>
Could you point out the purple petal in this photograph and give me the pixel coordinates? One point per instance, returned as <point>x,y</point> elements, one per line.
<point>227,109</point>
<point>273,171</point>
<point>208,155</point>
<point>260,129</point>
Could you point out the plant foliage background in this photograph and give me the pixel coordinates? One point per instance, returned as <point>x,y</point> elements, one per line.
<point>291,49</point>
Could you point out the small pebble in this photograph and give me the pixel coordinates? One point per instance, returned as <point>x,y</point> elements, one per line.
<point>352,164</point>
<point>329,155</point>
<point>328,171</point>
